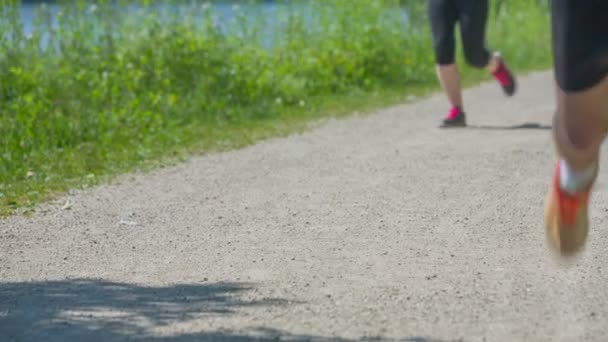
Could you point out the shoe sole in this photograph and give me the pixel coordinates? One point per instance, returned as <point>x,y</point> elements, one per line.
<point>462,125</point>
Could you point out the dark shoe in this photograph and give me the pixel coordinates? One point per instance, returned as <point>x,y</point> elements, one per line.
<point>455,118</point>
<point>506,79</point>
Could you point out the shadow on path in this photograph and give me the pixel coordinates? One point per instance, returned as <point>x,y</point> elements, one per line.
<point>528,125</point>
<point>99,310</point>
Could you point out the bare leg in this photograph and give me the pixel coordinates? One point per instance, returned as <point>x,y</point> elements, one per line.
<point>449,78</point>
<point>581,124</point>
<point>450,82</point>
<point>493,63</point>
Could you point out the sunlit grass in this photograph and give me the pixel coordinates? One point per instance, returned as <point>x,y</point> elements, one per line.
<point>111,93</point>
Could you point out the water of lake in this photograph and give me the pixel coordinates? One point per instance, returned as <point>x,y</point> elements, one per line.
<point>223,14</point>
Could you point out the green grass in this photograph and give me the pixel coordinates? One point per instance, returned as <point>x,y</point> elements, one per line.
<point>118,93</point>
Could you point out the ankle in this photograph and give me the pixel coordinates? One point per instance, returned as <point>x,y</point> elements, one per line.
<point>457,108</point>
<point>494,64</point>
<point>576,181</point>
<point>454,112</point>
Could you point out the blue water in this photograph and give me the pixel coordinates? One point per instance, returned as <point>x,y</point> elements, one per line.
<point>223,14</point>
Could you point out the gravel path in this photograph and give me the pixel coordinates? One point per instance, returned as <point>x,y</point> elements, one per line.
<point>373,227</point>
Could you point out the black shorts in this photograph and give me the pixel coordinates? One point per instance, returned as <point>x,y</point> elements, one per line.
<point>580,42</point>
<point>472,16</point>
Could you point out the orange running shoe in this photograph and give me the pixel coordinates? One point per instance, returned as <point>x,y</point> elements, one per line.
<point>566,218</point>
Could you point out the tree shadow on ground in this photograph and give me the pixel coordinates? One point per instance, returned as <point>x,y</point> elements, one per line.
<point>99,310</point>
<point>270,335</point>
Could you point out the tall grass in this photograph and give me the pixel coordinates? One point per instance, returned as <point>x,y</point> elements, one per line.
<point>94,91</point>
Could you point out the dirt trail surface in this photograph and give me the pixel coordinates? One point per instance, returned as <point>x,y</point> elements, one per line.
<point>379,227</point>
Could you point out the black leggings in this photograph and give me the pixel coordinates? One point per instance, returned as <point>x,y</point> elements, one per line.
<point>580,42</point>
<point>472,15</point>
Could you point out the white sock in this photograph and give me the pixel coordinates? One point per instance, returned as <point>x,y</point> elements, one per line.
<point>575,181</point>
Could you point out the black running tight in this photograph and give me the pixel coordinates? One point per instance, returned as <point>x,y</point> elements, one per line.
<point>472,16</point>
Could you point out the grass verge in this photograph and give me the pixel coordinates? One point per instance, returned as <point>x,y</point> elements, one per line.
<point>92,93</point>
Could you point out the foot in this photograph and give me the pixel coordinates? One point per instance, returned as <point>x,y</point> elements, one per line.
<point>455,118</point>
<point>505,78</point>
<point>566,218</point>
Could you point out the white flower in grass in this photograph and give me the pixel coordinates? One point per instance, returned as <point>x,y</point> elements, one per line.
<point>302,103</point>
<point>278,101</point>
<point>93,8</point>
